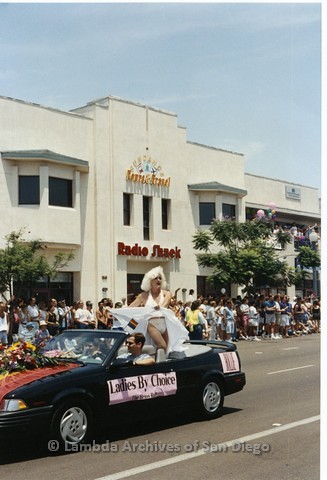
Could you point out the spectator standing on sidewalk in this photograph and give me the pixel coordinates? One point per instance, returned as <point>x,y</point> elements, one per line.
<point>227,321</point>
<point>212,320</point>
<point>270,311</point>
<point>91,318</point>
<point>195,322</point>
<point>4,324</point>
<point>253,321</point>
<point>33,312</point>
<point>244,312</point>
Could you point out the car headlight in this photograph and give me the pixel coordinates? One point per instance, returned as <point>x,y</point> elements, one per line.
<point>12,405</point>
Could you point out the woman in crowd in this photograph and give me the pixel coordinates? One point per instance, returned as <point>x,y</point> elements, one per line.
<point>315,315</point>
<point>227,323</point>
<point>195,322</point>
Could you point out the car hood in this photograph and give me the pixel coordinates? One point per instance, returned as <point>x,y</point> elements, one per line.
<point>15,382</point>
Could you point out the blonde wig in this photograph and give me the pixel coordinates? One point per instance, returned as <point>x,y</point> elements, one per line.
<point>152,274</point>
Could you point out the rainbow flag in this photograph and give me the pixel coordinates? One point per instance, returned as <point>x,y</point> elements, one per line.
<point>132,324</point>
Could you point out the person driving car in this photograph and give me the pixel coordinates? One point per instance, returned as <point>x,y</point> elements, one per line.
<point>134,356</point>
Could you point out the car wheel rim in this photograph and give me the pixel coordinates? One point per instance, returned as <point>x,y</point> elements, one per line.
<point>211,397</point>
<point>73,425</point>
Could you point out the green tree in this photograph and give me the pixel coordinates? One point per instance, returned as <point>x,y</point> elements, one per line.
<point>245,254</point>
<point>23,262</point>
<point>308,258</point>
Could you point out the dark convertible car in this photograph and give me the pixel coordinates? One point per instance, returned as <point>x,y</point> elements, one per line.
<point>92,386</point>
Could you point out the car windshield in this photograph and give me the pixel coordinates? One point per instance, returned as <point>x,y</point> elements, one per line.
<point>86,346</point>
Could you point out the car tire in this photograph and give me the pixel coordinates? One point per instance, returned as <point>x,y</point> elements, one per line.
<point>71,424</point>
<point>211,398</point>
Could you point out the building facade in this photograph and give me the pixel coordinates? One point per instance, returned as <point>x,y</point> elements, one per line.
<point>118,184</point>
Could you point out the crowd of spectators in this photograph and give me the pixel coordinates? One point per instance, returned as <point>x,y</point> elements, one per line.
<point>251,318</point>
<point>232,319</point>
<point>303,235</point>
<point>22,320</point>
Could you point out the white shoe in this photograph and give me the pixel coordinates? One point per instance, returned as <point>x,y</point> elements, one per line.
<point>256,339</point>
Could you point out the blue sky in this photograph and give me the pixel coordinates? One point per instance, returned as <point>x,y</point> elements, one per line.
<point>241,77</point>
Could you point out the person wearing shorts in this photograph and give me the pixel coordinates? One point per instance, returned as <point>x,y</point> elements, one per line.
<point>285,316</point>
<point>244,310</point>
<point>227,322</point>
<point>253,322</point>
<point>278,314</point>
<point>270,311</point>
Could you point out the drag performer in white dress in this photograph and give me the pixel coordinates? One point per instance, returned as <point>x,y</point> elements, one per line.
<point>155,320</point>
<point>154,295</point>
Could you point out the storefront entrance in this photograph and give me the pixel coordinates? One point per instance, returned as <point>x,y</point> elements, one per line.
<point>134,281</point>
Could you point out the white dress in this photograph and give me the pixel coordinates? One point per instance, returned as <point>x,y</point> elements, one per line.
<point>135,319</point>
<point>157,318</point>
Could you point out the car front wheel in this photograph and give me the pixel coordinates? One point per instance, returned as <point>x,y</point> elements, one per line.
<point>71,423</point>
<point>212,398</point>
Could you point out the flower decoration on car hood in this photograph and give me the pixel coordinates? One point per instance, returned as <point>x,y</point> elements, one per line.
<point>22,356</point>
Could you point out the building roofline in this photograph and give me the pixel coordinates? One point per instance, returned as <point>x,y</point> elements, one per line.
<point>98,101</point>
<point>287,211</point>
<point>216,187</point>
<point>214,148</point>
<point>46,155</point>
<point>286,182</point>
<point>51,109</point>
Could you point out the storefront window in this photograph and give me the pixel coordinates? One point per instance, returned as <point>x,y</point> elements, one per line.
<point>45,288</point>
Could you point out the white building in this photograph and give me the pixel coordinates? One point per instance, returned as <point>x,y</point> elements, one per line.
<point>119,185</point>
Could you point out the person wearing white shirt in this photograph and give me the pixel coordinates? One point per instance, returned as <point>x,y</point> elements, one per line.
<point>4,324</point>
<point>33,312</point>
<point>82,316</point>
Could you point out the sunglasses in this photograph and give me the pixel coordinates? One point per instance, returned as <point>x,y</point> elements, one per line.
<point>129,343</point>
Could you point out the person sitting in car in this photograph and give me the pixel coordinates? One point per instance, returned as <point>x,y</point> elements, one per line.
<point>134,356</point>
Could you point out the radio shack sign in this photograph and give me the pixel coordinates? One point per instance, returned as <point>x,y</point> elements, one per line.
<point>157,251</point>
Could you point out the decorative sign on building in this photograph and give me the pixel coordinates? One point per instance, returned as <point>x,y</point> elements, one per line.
<point>293,192</point>
<point>145,169</point>
<point>157,251</point>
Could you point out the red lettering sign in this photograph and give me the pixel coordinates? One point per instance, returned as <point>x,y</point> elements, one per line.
<point>157,251</point>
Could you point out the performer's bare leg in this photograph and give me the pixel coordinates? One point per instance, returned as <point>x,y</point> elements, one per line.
<point>161,340</point>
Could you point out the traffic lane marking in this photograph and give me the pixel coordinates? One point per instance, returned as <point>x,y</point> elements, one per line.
<point>187,456</point>
<point>289,369</point>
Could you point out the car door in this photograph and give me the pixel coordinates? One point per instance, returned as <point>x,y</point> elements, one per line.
<point>133,388</point>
